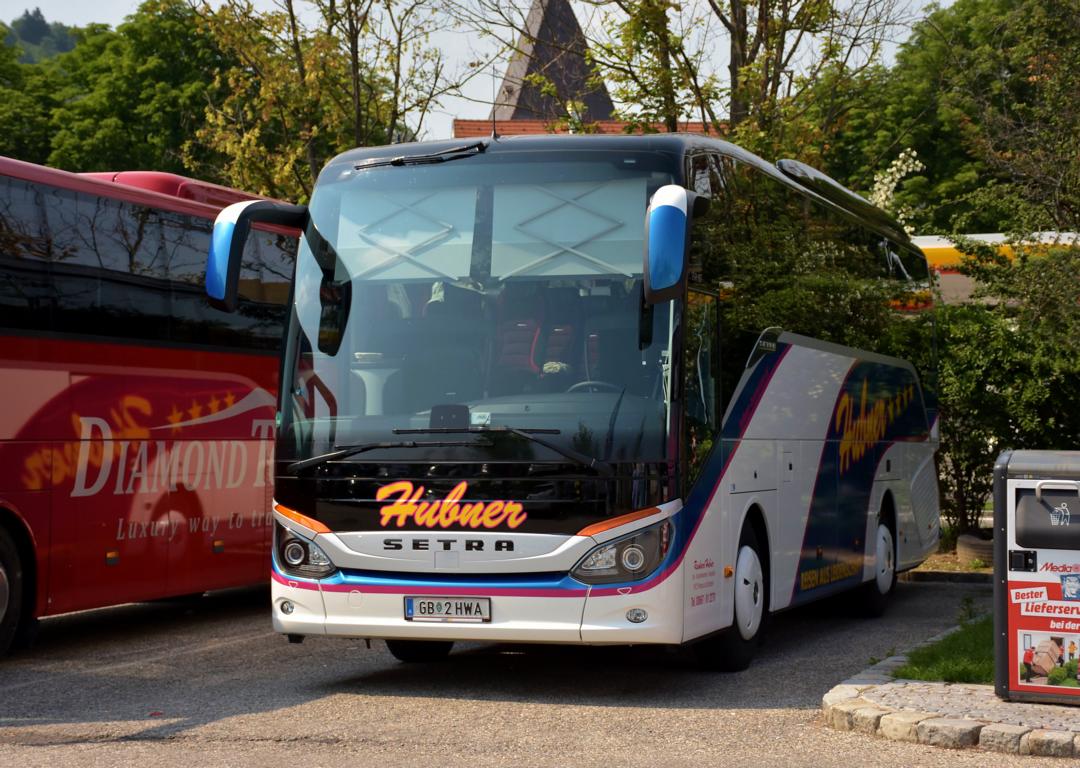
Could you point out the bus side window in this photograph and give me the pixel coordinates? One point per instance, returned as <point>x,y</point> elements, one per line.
<point>267,267</point>
<point>699,369</point>
<point>108,274</point>
<point>266,272</point>
<point>258,322</point>
<point>26,292</point>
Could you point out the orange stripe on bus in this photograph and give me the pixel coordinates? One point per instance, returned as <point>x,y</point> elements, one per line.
<point>615,522</point>
<point>303,520</point>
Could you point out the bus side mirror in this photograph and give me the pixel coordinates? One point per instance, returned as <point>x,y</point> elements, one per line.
<point>667,239</point>
<point>231,228</point>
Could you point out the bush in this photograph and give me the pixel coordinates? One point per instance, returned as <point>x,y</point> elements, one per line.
<point>947,540</point>
<point>1057,676</point>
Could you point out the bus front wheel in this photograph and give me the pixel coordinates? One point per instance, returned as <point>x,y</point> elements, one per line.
<point>419,651</point>
<point>11,591</point>
<point>734,649</point>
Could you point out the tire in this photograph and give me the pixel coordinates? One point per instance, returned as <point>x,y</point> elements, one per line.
<point>419,651</point>
<point>11,592</point>
<point>875,594</point>
<point>734,649</point>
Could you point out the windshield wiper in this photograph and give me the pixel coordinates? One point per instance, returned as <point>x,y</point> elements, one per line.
<point>344,451</point>
<point>601,466</point>
<point>450,153</point>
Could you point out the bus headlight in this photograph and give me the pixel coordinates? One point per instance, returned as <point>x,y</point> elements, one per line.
<point>630,558</point>
<point>299,556</point>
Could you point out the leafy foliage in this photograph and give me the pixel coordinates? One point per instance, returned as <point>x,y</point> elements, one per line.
<point>297,95</point>
<point>132,97</point>
<point>1008,368</point>
<point>984,92</point>
<point>26,95</point>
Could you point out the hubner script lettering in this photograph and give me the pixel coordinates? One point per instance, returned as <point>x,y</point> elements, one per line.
<point>859,432</point>
<point>445,513</point>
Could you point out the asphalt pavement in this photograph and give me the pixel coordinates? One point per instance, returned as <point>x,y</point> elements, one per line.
<point>209,683</point>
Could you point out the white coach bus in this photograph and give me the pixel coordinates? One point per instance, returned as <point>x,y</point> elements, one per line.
<point>500,422</point>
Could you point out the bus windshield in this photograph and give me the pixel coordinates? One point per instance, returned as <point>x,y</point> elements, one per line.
<point>502,289</point>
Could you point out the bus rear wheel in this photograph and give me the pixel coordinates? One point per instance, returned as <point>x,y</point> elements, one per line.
<point>734,649</point>
<point>876,592</point>
<point>11,591</point>
<point>419,651</point>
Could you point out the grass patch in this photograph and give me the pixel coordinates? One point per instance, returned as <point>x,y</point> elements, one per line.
<point>948,561</point>
<point>965,656</point>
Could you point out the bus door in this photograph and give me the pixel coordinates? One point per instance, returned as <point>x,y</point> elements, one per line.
<point>110,529</point>
<point>220,507</point>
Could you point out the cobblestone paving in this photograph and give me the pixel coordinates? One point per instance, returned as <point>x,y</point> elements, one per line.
<point>974,702</point>
<point>953,715</point>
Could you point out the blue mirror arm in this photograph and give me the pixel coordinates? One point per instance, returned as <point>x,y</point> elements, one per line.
<point>231,229</point>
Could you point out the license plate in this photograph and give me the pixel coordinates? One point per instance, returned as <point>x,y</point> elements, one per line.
<point>473,610</point>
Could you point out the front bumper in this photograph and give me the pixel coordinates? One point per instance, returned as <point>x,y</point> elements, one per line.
<point>526,611</point>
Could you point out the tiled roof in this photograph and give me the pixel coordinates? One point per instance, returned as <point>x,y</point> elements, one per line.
<point>464,129</point>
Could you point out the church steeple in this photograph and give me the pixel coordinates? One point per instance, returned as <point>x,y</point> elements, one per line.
<point>552,46</point>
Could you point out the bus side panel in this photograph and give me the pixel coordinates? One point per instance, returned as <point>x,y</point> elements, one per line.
<point>795,412</point>
<point>30,511</point>
<point>26,453</point>
<point>157,473</point>
<point>223,450</point>
<point>786,394</point>
<point>877,410</point>
<point>923,509</point>
<point>824,418</point>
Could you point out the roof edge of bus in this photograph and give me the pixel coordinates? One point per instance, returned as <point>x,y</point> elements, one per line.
<point>175,185</point>
<point>831,189</point>
<point>100,184</point>
<point>513,142</point>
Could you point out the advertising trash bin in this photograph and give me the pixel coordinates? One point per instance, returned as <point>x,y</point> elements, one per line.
<point>1037,576</point>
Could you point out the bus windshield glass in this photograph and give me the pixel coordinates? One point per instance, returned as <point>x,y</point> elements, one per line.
<point>499,290</point>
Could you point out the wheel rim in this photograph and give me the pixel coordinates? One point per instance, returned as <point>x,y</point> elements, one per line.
<point>4,592</point>
<point>883,560</point>
<point>749,593</point>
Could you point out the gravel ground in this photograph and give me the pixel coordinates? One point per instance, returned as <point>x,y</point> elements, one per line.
<point>210,685</point>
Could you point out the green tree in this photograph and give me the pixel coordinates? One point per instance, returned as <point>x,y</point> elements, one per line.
<point>361,72</point>
<point>1007,368</point>
<point>131,98</point>
<point>1019,87</point>
<point>654,67</point>
<point>31,27</point>
<point>984,92</point>
<point>26,97</point>
<point>37,38</point>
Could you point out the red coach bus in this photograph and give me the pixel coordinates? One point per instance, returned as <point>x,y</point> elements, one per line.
<point>136,424</point>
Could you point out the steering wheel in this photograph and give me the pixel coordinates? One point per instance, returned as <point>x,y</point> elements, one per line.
<point>595,386</point>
